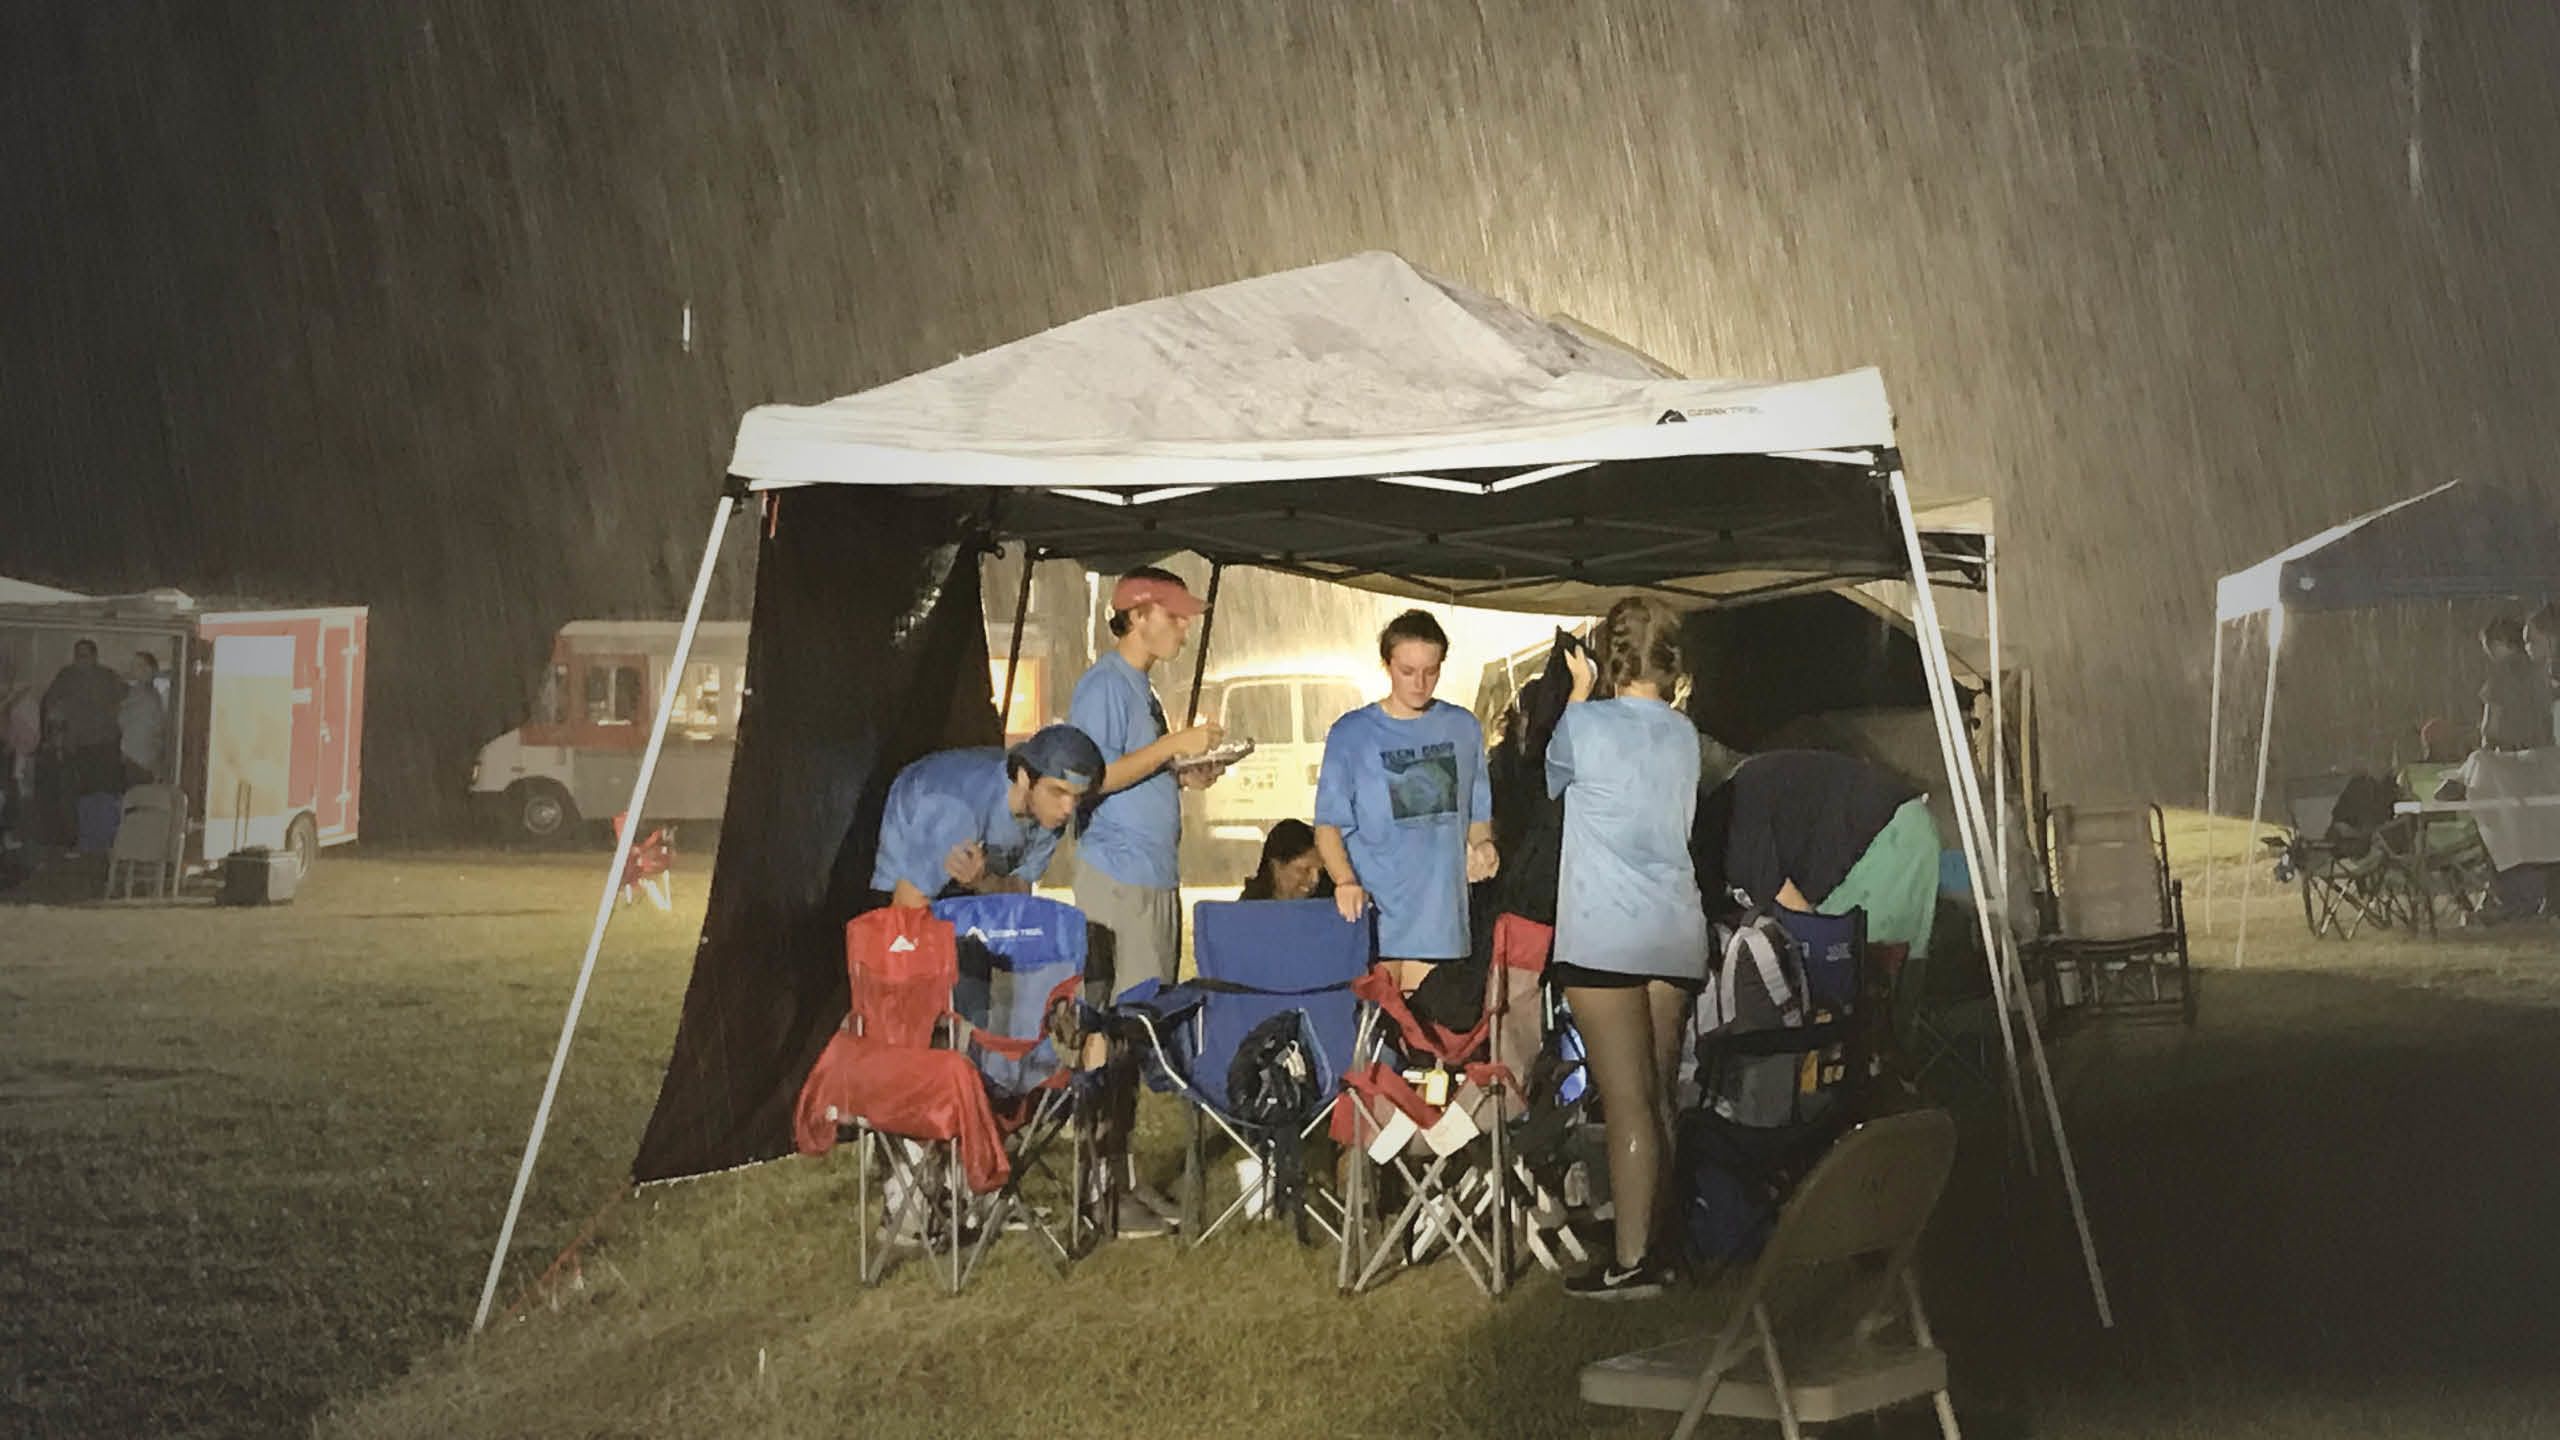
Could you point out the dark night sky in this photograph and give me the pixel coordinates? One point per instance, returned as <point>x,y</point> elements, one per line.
<point>383,303</point>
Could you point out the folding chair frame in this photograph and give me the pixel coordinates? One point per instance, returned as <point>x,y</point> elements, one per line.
<point>2122,975</point>
<point>1475,1216</point>
<point>1196,1145</point>
<point>1059,1108</point>
<point>1900,1161</point>
<point>1473,1220</point>
<point>934,1171</point>
<point>2457,878</point>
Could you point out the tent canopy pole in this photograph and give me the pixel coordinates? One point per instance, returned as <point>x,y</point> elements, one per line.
<point>1013,651</point>
<point>604,903</point>
<point>1999,711</point>
<point>2213,772</point>
<point>1953,755</point>
<point>2258,802</point>
<point>1200,657</point>
<point>2004,951</point>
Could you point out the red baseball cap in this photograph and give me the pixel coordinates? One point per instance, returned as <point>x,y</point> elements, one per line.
<point>1136,590</point>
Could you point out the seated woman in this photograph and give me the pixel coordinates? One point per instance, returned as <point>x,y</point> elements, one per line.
<point>1290,868</point>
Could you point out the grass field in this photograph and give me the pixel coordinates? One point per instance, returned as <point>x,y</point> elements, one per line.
<point>255,1159</point>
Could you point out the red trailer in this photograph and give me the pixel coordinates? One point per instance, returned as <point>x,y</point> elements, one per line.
<point>282,729</point>
<point>266,708</point>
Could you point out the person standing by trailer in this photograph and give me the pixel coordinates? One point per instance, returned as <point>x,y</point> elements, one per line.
<point>142,721</point>
<point>1128,879</point>
<point>80,735</point>
<point>1404,811</point>
<point>981,821</point>
<point>1631,933</point>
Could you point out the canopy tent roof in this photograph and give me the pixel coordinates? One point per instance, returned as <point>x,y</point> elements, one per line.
<point>1366,422</point>
<point>27,592</point>
<point>2459,541</point>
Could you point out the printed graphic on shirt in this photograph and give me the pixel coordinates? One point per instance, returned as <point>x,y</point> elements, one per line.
<point>1155,712</point>
<point>1422,783</point>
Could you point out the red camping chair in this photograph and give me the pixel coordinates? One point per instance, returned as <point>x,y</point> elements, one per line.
<point>1446,1136</point>
<point>897,1070</point>
<point>651,867</point>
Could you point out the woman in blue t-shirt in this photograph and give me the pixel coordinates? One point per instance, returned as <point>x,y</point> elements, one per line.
<point>1631,935</point>
<point>1404,816</point>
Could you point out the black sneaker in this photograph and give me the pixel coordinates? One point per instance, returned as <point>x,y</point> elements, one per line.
<point>1616,1282</point>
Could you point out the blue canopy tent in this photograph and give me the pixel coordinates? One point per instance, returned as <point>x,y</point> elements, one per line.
<point>2458,541</point>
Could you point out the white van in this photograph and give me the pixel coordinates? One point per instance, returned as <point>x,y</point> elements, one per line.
<point>575,758</point>
<point>1286,715</point>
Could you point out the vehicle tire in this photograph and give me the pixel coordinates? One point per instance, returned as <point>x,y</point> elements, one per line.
<point>302,842</point>
<point>540,813</point>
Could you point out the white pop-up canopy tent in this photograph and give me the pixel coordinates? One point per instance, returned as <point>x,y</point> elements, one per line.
<point>2458,541</point>
<point>1360,422</point>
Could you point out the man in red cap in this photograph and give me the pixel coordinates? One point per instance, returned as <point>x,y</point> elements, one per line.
<point>1128,880</point>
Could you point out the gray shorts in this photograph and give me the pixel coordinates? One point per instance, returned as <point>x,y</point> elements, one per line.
<point>1134,932</point>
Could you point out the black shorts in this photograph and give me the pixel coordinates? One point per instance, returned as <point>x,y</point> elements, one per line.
<point>1568,976</point>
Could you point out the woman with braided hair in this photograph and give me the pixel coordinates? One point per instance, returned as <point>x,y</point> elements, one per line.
<point>1631,934</point>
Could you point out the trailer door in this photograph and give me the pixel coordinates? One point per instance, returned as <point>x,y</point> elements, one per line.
<point>333,798</point>
<point>248,744</point>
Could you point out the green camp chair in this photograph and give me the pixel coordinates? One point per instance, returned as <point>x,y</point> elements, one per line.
<point>2448,864</point>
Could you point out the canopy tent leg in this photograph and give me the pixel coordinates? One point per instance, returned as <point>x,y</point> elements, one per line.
<point>2213,772</point>
<point>2005,952</point>
<point>2258,800</point>
<point>1999,711</point>
<point>1013,651</point>
<point>604,903</point>
<point>1952,744</point>
<point>1200,657</point>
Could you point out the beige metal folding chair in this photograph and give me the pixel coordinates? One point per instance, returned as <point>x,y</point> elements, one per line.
<point>154,823</point>
<point>2122,938</point>
<point>1833,1283</point>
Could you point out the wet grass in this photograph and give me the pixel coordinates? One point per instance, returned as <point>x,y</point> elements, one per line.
<point>255,1160</point>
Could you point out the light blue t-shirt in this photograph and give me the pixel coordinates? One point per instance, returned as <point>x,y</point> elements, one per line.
<point>1134,836</point>
<point>950,798</point>
<point>1403,792</point>
<point>1627,890</point>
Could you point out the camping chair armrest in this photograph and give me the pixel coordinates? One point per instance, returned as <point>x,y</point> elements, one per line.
<point>1148,1022</point>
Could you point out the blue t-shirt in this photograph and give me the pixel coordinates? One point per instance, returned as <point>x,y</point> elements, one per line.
<point>1627,890</point>
<point>1134,836</point>
<point>950,798</point>
<point>1403,792</point>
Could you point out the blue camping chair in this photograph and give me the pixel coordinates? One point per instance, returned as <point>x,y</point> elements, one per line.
<point>1274,980</point>
<point>1020,990</point>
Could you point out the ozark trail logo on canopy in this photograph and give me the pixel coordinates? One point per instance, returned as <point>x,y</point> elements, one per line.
<point>1672,417</point>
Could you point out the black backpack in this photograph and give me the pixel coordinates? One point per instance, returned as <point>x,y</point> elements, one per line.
<point>1274,1088</point>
